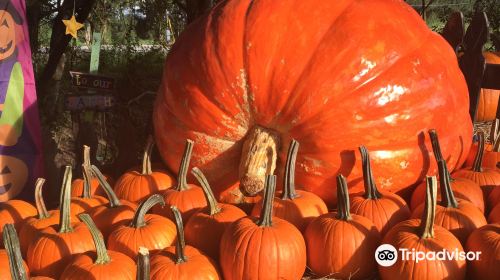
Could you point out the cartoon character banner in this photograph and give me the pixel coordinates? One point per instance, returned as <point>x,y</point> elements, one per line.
<point>20,137</point>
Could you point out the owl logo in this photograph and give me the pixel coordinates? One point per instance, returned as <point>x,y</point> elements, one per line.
<point>11,75</point>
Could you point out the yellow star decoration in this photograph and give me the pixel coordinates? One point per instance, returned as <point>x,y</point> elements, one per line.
<point>72,26</point>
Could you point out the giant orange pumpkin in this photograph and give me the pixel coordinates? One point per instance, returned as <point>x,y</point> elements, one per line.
<point>338,75</point>
<point>488,98</point>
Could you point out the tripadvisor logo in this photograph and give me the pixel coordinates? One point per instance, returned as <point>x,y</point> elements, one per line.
<point>387,255</point>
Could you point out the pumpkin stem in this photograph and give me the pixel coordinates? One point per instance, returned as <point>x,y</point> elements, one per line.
<point>146,158</point>
<point>209,195</point>
<point>436,148</point>
<point>427,222</point>
<point>266,214</point>
<point>478,160</point>
<point>180,243</point>
<point>40,203</point>
<point>495,135</point>
<point>12,247</point>
<point>447,196</point>
<point>182,184</point>
<point>289,182</point>
<point>100,245</point>
<point>258,159</point>
<point>143,264</point>
<point>343,207</point>
<point>138,220</point>
<point>114,201</point>
<point>371,191</point>
<point>65,216</point>
<point>87,179</point>
<point>86,155</point>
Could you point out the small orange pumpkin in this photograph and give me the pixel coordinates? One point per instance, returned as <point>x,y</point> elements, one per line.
<point>56,245</point>
<point>422,235</point>
<point>267,244</point>
<point>87,201</point>
<point>205,228</point>
<point>463,188</point>
<point>181,261</point>
<point>460,217</point>
<point>485,177</point>
<point>295,206</point>
<point>494,198</point>
<point>100,264</point>
<point>151,231</point>
<point>488,98</point>
<point>137,185</point>
<point>325,237</point>
<point>486,240</point>
<point>15,212</point>
<point>117,212</point>
<point>188,198</point>
<point>383,208</point>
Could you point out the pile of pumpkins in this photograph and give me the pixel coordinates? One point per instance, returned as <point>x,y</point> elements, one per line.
<point>151,225</point>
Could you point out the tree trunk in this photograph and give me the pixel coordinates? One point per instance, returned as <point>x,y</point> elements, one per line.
<point>59,40</point>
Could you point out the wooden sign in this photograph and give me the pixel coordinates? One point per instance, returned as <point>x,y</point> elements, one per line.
<point>92,81</point>
<point>96,102</point>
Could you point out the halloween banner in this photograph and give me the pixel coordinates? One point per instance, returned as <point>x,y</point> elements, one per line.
<point>20,137</point>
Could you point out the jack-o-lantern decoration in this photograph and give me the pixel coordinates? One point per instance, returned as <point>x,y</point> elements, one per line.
<point>13,177</point>
<point>9,18</point>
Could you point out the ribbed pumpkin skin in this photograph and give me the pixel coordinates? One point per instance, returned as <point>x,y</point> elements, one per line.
<point>108,219</point>
<point>49,255</point>
<point>487,179</point>
<point>327,81</point>
<point>299,211</point>
<point>462,188</point>
<point>251,252</point>
<point>494,198</point>
<point>461,221</point>
<point>328,234</point>
<point>494,216</point>
<point>488,98</point>
<point>406,235</point>
<point>14,212</point>
<point>83,268</point>
<point>188,201</point>
<point>204,231</point>
<point>4,266</point>
<point>197,267</point>
<point>81,205</point>
<point>384,212</point>
<point>134,186</point>
<point>487,241</point>
<point>158,233</point>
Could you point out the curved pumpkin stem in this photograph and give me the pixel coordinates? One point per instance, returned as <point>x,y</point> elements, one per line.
<point>86,155</point>
<point>12,247</point>
<point>87,179</point>
<point>447,196</point>
<point>100,245</point>
<point>114,201</point>
<point>186,159</point>
<point>138,220</point>
<point>39,202</point>
<point>143,264</point>
<point>266,214</point>
<point>343,207</point>
<point>146,158</point>
<point>180,243</point>
<point>289,182</point>
<point>429,215</point>
<point>478,160</point>
<point>65,216</point>
<point>209,195</point>
<point>371,191</point>
<point>495,135</point>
